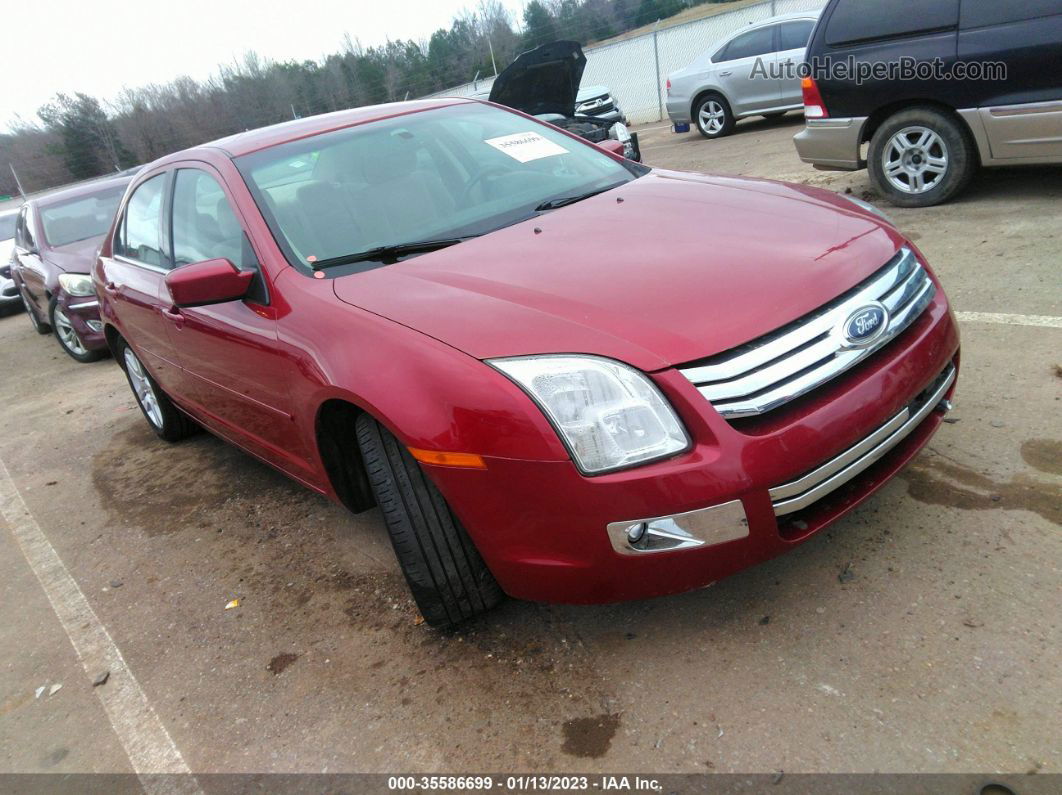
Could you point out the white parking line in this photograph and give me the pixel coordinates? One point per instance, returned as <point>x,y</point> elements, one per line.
<point>148,745</point>
<point>1043,321</point>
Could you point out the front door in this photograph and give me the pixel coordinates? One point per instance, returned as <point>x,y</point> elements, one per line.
<point>29,265</point>
<point>234,374</point>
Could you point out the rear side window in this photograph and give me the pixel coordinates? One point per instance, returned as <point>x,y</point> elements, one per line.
<point>985,13</point>
<point>795,35</point>
<point>138,236</point>
<point>747,45</point>
<point>860,20</point>
<point>204,224</point>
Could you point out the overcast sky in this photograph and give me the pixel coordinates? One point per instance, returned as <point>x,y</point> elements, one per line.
<point>100,46</point>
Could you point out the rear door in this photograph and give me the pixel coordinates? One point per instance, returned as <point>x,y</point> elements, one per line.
<point>134,282</point>
<point>743,71</point>
<point>792,45</point>
<point>1022,113</point>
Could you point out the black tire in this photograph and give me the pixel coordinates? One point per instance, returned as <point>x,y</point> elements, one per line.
<point>169,423</point>
<point>951,141</point>
<point>448,578</point>
<point>38,326</point>
<point>727,120</point>
<point>83,354</point>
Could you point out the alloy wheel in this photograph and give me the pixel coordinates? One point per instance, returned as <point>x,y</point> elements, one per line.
<point>712,117</point>
<point>915,160</point>
<point>66,333</point>
<point>142,388</point>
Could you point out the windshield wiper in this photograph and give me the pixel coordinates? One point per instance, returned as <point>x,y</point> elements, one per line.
<point>553,204</point>
<point>389,253</point>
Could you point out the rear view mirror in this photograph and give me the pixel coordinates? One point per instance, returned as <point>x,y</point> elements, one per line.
<point>613,146</point>
<point>213,281</point>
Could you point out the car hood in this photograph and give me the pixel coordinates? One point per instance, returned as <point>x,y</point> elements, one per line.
<point>684,267</point>
<point>76,257</point>
<point>543,80</point>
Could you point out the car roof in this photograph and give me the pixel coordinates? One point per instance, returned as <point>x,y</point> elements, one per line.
<point>264,137</point>
<point>796,15</point>
<point>82,189</point>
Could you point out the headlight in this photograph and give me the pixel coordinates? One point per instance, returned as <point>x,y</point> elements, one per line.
<point>870,208</point>
<point>76,284</point>
<point>609,415</point>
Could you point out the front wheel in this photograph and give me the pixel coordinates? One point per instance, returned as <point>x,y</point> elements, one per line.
<point>69,339</point>
<point>713,117</point>
<point>448,578</point>
<point>165,419</point>
<point>920,157</point>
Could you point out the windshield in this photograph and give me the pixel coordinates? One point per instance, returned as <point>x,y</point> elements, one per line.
<point>80,218</point>
<point>449,173</point>
<point>7,226</point>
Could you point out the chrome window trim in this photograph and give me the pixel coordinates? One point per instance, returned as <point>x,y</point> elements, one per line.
<point>783,366</point>
<point>139,264</point>
<point>803,491</point>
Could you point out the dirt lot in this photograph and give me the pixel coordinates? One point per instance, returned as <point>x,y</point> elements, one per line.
<point>940,654</point>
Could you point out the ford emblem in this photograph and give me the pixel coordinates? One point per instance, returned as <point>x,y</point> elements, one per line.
<point>866,324</point>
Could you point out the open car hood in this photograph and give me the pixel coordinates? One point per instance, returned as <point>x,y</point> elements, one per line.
<point>543,80</point>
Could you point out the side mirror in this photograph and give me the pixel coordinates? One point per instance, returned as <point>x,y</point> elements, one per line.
<point>613,146</point>
<point>213,281</point>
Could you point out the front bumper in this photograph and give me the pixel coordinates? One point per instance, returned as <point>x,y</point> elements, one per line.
<point>831,144</point>
<point>84,314</point>
<point>542,527</point>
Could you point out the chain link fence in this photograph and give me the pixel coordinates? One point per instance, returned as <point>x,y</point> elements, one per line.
<point>636,69</point>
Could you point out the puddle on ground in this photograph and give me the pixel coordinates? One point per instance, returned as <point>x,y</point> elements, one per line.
<point>936,480</point>
<point>1043,454</point>
<point>590,737</point>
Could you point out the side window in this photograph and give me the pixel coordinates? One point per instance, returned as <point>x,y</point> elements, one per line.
<point>23,233</point>
<point>795,35</point>
<point>204,224</point>
<point>984,13</point>
<point>861,20</point>
<point>747,45</point>
<point>138,234</point>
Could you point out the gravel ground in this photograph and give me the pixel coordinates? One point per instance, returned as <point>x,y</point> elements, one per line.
<point>938,652</point>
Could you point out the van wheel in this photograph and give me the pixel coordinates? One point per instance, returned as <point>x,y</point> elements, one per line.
<point>165,419</point>
<point>920,157</point>
<point>448,578</point>
<point>713,116</point>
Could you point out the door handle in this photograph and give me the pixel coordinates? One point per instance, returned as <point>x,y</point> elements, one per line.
<point>110,288</point>
<point>725,74</point>
<point>173,314</point>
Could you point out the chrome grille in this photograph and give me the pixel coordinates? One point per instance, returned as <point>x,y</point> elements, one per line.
<point>840,469</point>
<point>791,362</point>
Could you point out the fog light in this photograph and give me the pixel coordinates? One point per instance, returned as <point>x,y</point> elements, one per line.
<point>635,533</point>
<point>95,325</point>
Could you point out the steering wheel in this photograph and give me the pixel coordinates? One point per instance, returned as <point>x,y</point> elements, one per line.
<point>478,177</point>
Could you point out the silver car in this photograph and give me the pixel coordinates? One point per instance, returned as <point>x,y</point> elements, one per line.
<point>10,299</point>
<point>754,72</point>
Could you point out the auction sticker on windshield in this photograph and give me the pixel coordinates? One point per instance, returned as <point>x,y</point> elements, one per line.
<point>526,146</point>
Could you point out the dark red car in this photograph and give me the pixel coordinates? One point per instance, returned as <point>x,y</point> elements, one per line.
<point>56,240</point>
<point>561,375</point>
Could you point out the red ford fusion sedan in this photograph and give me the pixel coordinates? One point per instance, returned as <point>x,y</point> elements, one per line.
<point>561,375</point>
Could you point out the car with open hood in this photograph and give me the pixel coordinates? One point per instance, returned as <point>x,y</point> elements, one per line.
<point>545,83</point>
<point>56,239</point>
<point>561,375</point>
